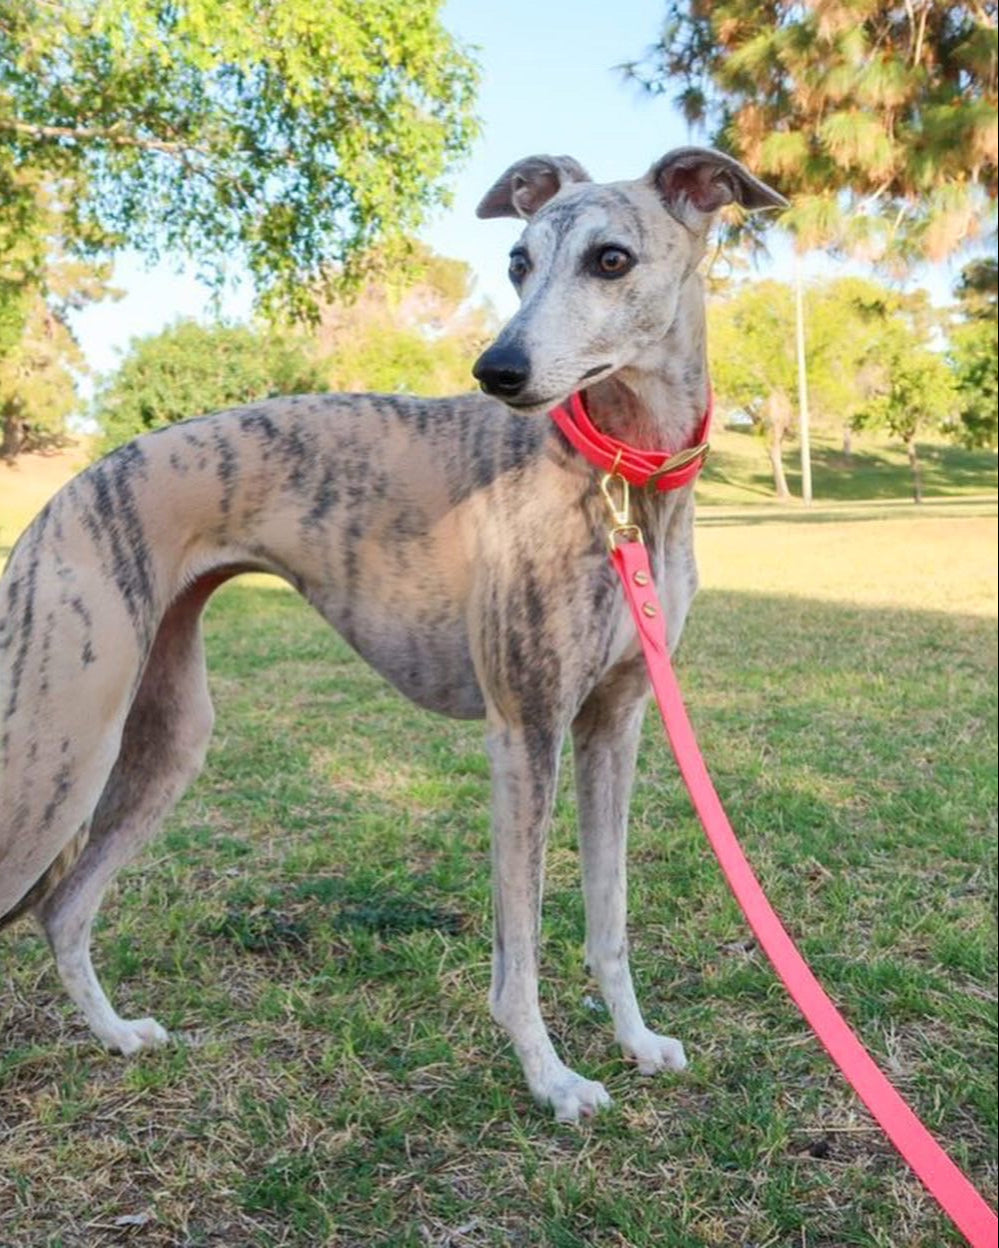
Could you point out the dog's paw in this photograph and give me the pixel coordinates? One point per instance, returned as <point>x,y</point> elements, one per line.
<point>572,1097</point>
<point>135,1034</point>
<point>652,1053</point>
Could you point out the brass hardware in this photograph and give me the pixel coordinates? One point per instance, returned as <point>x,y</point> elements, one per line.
<point>680,460</point>
<point>640,578</point>
<point>626,533</point>
<point>620,512</point>
<point>648,609</point>
<point>621,528</point>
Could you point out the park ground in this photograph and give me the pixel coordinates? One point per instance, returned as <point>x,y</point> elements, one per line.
<point>313,925</point>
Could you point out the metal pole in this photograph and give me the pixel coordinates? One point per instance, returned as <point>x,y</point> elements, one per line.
<point>803,428</point>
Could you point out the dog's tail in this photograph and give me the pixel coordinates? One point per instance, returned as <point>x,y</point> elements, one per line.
<point>49,880</point>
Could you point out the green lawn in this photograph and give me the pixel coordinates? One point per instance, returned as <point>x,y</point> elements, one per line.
<point>314,926</point>
<point>738,470</point>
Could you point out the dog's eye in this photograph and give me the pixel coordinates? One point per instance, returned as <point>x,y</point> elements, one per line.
<point>612,262</point>
<point>519,268</point>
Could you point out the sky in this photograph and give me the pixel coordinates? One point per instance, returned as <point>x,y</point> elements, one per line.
<point>549,84</point>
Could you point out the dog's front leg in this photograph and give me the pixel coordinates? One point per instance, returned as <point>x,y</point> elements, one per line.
<point>606,733</point>
<point>524,772</point>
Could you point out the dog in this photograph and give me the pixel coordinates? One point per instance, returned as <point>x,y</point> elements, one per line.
<point>457,544</point>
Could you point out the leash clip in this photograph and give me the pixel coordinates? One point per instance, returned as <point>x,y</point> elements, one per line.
<point>622,528</point>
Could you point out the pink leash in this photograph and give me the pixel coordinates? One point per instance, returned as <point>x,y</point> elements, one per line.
<point>969,1212</point>
<point>624,465</point>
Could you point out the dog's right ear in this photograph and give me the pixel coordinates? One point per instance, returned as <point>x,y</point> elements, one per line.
<point>529,185</point>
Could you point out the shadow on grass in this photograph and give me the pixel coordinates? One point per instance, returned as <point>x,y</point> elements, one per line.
<point>349,1078</point>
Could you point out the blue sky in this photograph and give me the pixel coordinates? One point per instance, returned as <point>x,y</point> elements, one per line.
<point>549,84</point>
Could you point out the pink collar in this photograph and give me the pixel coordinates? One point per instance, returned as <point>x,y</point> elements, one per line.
<point>657,468</point>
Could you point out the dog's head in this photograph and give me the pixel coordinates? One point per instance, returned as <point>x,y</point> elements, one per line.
<point>599,268</point>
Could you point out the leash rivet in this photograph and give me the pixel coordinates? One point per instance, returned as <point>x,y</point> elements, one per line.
<point>648,609</point>
<point>640,578</point>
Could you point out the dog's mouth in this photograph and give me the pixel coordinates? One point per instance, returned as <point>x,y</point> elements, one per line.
<point>532,407</point>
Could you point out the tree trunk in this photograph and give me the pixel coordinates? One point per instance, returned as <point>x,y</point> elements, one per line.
<point>917,471</point>
<point>847,440</point>
<point>777,464</point>
<point>10,431</point>
<point>777,416</point>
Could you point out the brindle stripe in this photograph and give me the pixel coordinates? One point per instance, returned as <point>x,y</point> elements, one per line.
<point>31,552</point>
<point>114,521</point>
<point>226,469</point>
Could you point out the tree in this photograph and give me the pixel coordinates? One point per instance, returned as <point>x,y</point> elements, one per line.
<point>415,334</point>
<point>418,332</point>
<point>751,350</point>
<point>977,288</point>
<point>847,318</point>
<point>974,347</point>
<point>286,137</point>
<point>753,360</point>
<point>188,369</point>
<point>37,385</point>
<point>912,389</point>
<point>877,118</point>
<point>859,334</point>
<point>40,359</point>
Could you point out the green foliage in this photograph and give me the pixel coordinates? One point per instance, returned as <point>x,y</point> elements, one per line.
<point>752,347</point>
<point>398,361</point>
<point>290,137</point>
<point>189,369</point>
<point>751,344</point>
<point>24,224</point>
<point>415,333</point>
<point>39,357</point>
<point>912,388</point>
<point>37,384</point>
<point>978,288</point>
<point>974,351</point>
<point>877,119</point>
<point>867,359</point>
<point>974,347</point>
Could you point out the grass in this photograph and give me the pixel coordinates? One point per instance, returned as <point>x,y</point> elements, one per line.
<point>738,470</point>
<point>314,927</point>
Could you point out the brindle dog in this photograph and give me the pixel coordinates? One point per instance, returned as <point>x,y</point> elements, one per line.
<point>457,544</point>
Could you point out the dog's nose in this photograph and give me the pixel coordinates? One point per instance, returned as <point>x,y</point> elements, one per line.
<point>502,371</point>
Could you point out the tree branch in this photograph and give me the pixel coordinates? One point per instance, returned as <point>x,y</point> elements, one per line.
<point>83,134</point>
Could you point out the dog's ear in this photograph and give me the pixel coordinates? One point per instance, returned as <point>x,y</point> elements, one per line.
<point>694,182</point>
<point>529,185</point>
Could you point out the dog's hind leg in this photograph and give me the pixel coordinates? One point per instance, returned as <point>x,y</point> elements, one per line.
<point>606,733</point>
<point>163,747</point>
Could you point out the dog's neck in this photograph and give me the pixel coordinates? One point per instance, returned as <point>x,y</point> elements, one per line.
<point>658,401</point>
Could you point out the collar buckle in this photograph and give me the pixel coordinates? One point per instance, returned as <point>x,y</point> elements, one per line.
<point>680,460</point>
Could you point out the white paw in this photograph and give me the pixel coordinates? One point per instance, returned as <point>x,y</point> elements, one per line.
<point>652,1053</point>
<point>135,1034</point>
<point>572,1097</point>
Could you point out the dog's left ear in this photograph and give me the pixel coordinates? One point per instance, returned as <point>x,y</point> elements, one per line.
<point>694,182</point>
<point>529,185</point>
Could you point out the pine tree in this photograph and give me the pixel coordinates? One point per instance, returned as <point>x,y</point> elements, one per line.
<point>877,118</point>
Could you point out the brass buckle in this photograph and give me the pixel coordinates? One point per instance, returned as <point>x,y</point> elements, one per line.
<point>680,460</point>
<point>621,528</point>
